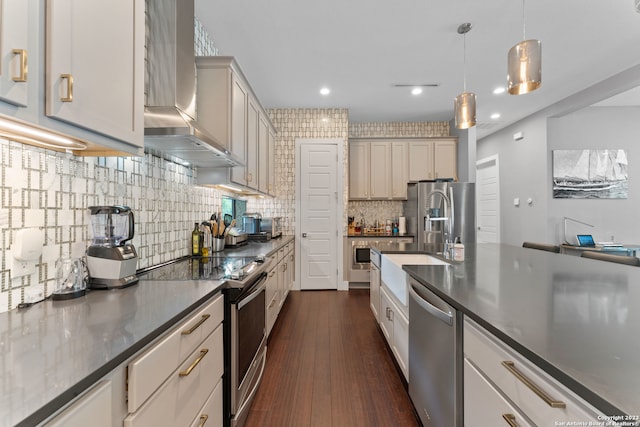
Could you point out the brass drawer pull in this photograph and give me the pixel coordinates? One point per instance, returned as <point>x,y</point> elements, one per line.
<point>511,420</point>
<point>203,353</point>
<point>532,386</point>
<point>197,325</point>
<point>203,420</point>
<point>69,97</point>
<point>22,77</point>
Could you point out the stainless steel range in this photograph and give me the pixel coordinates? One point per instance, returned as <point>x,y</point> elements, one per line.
<point>244,321</point>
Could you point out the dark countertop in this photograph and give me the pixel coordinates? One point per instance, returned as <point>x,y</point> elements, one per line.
<point>574,318</point>
<point>385,235</point>
<point>396,248</point>
<point>52,351</point>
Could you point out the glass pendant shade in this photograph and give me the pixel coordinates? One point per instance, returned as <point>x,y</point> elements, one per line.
<point>524,67</point>
<point>464,106</point>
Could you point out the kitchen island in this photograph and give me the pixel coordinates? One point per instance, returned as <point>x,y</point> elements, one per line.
<point>53,351</point>
<point>573,318</point>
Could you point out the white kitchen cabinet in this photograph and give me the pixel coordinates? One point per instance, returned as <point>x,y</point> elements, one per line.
<point>251,169</point>
<point>272,295</point>
<point>211,414</point>
<point>92,408</point>
<point>394,322</point>
<point>374,291</point>
<point>432,159</point>
<point>358,170</point>
<point>237,121</point>
<point>400,170</point>
<point>445,156</point>
<point>15,50</point>
<point>484,405</point>
<point>271,164</point>
<point>170,382</point>
<point>380,174</point>
<point>543,400</point>
<point>105,128</point>
<point>263,155</point>
<point>94,66</point>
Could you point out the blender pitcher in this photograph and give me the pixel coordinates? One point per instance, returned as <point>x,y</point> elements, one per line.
<point>112,225</point>
<point>110,259</point>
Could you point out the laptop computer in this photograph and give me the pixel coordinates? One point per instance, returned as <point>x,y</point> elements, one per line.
<point>586,240</point>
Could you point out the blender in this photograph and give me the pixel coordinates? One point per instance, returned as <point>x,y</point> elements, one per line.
<point>111,261</point>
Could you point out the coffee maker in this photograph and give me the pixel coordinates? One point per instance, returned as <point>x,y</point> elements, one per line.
<point>112,261</point>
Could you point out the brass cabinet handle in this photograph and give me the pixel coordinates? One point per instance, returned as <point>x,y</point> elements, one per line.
<point>22,76</point>
<point>272,302</point>
<point>203,420</point>
<point>249,177</point>
<point>511,420</point>
<point>69,97</point>
<point>532,386</point>
<point>203,353</point>
<point>197,325</point>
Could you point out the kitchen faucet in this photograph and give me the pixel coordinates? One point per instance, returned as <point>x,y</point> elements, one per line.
<point>448,213</point>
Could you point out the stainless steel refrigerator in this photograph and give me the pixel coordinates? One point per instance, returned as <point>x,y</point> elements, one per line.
<point>440,212</point>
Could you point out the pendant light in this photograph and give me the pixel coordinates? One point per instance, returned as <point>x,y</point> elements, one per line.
<point>464,105</point>
<point>524,73</point>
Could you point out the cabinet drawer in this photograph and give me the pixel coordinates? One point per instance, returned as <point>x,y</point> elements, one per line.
<point>483,404</point>
<point>498,362</point>
<point>181,397</point>
<point>148,371</point>
<point>211,413</point>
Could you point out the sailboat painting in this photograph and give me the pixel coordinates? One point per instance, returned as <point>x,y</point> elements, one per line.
<point>590,174</point>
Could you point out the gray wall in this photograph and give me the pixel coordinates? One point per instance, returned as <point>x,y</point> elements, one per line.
<point>597,128</point>
<point>525,166</point>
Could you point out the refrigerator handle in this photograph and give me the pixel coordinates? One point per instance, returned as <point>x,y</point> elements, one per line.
<point>452,216</point>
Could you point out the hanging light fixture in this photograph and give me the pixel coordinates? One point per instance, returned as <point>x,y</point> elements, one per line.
<point>464,105</point>
<point>524,73</point>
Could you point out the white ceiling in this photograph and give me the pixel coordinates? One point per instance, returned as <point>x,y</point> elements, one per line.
<point>289,49</point>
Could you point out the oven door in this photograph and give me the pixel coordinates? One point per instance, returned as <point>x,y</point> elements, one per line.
<point>248,348</point>
<point>361,257</point>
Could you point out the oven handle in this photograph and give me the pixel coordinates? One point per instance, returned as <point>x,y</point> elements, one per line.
<point>260,285</point>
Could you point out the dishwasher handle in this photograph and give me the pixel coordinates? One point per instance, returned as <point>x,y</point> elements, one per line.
<point>430,305</point>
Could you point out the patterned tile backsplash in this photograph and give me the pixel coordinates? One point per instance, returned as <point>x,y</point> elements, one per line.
<point>52,191</point>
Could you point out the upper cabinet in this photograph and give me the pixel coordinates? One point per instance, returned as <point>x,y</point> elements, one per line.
<point>238,122</point>
<point>15,48</point>
<point>379,169</point>
<point>81,78</point>
<point>433,159</point>
<point>92,61</point>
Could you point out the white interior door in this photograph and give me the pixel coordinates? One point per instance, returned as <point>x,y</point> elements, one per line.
<point>488,200</point>
<point>319,210</point>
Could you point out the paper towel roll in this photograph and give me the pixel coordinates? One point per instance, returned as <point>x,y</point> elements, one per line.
<point>402,225</point>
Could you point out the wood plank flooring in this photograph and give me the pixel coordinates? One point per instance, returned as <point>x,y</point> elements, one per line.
<point>328,366</point>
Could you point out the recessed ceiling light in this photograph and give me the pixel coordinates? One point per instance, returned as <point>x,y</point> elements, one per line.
<point>499,90</point>
<point>495,116</point>
<point>416,91</point>
<point>325,91</point>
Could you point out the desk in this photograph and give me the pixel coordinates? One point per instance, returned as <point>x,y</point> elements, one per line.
<point>626,249</point>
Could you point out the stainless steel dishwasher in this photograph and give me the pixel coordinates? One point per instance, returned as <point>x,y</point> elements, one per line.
<point>435,358</point>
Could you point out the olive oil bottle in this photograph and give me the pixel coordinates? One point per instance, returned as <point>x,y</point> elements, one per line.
<point>195,241</point>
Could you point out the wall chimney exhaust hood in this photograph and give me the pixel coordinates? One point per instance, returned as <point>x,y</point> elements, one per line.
<point>170,119</point>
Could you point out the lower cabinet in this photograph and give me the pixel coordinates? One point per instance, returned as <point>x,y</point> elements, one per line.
<point>93,408</point>
<point>178,380</point>
<point>280,282</point>
<point>394,322</point>
<point>500,383</point>
<point>374,291</point>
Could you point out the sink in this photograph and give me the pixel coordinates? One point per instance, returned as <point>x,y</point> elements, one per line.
<point>396,279</point>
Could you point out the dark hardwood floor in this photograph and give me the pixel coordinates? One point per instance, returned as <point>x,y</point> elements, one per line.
<point>328,366</point>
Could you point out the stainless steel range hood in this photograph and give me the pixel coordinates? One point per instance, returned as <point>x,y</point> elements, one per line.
<point>171,121</point>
